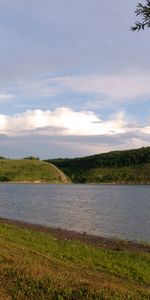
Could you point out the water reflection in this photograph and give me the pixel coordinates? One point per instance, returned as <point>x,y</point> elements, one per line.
<point>107,210</point>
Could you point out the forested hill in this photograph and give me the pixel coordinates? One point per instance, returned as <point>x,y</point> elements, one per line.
<point>129,166</point>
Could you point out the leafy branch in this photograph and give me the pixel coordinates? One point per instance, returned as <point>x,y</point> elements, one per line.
<point>144,11</point>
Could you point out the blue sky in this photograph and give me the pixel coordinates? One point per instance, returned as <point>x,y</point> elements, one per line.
<point>74,79</point>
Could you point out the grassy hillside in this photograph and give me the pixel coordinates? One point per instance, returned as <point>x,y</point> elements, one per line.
<point>130,166</point>
<point>38,265</point>
<point>27,170</point>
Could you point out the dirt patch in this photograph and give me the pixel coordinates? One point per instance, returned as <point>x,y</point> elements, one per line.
<point>97,241</point>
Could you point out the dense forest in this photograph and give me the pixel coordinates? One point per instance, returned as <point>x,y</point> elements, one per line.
<point>129,166</point>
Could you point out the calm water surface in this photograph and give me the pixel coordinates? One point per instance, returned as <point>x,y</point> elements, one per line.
<point>121,211</point>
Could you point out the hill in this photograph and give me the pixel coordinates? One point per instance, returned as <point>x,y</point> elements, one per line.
<point>129,166</point>
<point>27,170</point>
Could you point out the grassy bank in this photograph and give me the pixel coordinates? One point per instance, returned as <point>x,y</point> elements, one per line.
<point>41,265</point>
<point>26,170</point>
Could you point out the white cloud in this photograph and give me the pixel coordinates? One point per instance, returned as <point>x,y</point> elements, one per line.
<point>115,88</point>
<point>65,121</point>
<point>120,87</point>
<point>145,129</point>
<point>64,132</point>
<point>6,97</point>
<point>35,88</point>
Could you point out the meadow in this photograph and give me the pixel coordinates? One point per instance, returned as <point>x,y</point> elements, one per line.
<point>30,170</point>
<point>39,264</point>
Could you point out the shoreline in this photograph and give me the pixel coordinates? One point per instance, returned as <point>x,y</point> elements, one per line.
<point>93,240</point>
<point>75,183</point>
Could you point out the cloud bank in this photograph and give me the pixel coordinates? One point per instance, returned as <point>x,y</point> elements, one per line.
<point>65,121</point>
<point>117,88</point>
<point>6,97</point>
<point>120,87</point>
<point>64,132</point>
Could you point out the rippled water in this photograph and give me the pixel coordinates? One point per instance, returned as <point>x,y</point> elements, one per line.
<point>121,211</point>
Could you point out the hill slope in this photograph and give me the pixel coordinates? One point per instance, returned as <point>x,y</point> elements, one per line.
<point>30,171</point>
<point>43,265</point>
<point>129,166</point>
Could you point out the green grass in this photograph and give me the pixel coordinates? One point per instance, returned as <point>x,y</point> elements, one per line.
<point>30,171</point>
<point>35,265</point>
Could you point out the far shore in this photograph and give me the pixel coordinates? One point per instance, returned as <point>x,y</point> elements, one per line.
<point>97,241</point>
<point>75,183</point>
<point>32,182</point>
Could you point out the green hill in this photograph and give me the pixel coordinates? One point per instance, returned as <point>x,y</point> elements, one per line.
<point>129,166</point>
<point>30,170</point>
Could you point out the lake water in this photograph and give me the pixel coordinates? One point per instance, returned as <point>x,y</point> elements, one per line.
<point>120,211</point>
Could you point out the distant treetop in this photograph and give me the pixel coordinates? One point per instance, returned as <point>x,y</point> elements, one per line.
<point>143,11</point>
<point>32,157</point>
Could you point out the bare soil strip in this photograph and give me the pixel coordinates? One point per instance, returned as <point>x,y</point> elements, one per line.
<point>97,241</point>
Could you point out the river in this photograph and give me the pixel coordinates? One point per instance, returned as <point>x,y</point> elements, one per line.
<point>117,211</point>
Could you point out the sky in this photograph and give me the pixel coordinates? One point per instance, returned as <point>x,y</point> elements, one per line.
<point>74,79</point>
